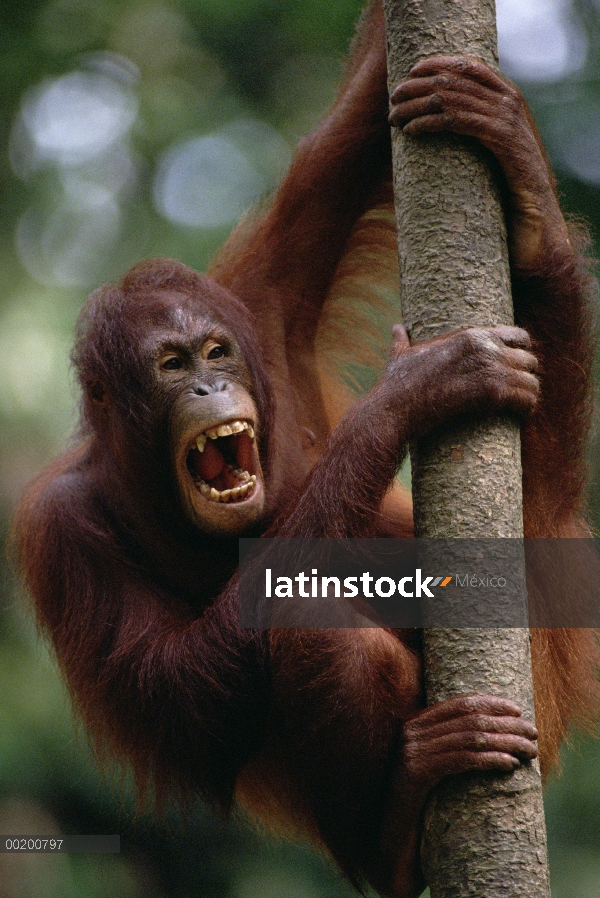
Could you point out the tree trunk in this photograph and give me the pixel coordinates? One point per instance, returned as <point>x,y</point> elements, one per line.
<point>484,835</point>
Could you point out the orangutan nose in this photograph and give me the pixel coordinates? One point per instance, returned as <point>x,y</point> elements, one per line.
<point>217,386</point>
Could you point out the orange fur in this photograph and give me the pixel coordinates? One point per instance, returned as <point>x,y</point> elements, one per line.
<point>142,608</point>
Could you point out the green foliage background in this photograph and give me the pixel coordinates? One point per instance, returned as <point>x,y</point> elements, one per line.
<point>252,76</point>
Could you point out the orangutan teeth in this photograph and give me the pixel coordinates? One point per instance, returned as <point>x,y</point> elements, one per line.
<point>224,430</point>
<point>242,475</point>
<point>238,492</point>
<point>244,482</point>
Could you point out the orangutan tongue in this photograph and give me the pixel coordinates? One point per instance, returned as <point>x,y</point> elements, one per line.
<point>210,463</point>
<point>244,452</point>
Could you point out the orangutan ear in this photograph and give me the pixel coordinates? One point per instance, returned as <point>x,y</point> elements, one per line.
<point>98,393</point>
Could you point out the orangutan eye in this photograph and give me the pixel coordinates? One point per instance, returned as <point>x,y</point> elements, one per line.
<point>217,352</point>
<point>172,363</point>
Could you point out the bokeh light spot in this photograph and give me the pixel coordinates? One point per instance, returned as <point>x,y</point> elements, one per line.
<point>539,40</point>
<point>210,181</point>
<point>74,118</point>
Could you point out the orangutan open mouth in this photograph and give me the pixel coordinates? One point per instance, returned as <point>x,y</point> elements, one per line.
<point>223,462</point>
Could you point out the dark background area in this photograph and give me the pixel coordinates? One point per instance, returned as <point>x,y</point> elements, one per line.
<point>130,129</point>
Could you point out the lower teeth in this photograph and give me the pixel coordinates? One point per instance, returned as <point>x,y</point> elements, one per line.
<point>248,483</point>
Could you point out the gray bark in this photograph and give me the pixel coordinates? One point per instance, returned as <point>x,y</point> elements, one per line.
<point>484,834</point>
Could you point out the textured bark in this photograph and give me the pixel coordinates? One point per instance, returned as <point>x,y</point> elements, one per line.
<point>484,835</point>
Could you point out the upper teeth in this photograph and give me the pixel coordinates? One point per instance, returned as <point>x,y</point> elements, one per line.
<point>224,430</point>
